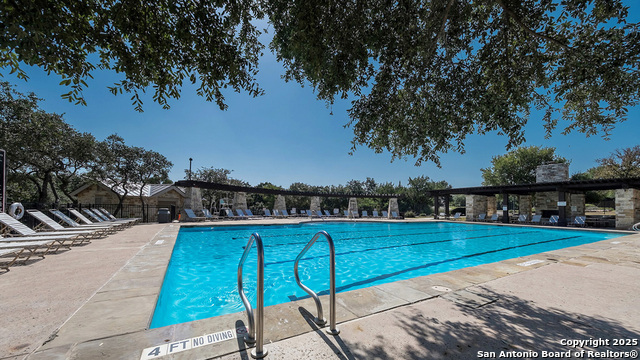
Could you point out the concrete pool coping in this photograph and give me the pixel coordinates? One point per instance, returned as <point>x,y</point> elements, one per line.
<point>113,323</point>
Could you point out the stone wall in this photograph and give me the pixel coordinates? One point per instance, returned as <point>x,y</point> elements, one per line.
<point>239,201</point>
<point>627,208</point>
<point>552,173</point>
<point>491,205</point>
<point>353,206</point>
<point>393,207</point>
<point>475,205</point>
<point>525,205</point>
<point>315,204</point>
<point>280,203</point>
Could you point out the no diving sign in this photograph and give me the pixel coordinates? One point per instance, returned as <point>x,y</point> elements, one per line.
<point>188,344</point>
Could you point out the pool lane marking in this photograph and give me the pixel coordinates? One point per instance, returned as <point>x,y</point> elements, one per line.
<point>188,344</point>
<point>386,276</point>
<point>387,236</point>
<point>395,246</point>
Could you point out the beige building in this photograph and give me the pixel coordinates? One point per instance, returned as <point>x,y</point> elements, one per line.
<point>155,196</point>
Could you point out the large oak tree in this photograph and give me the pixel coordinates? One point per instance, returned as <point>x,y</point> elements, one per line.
<point>424,75</point>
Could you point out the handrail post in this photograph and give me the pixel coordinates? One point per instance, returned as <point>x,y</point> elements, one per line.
<point>256,324</point>
<point>332,283</point>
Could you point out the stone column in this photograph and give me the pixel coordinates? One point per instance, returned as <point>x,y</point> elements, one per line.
<point>475,205</point>
<point>525,205</point>
<point>627,208</point>
<point>393,207</point>
<point>577,205</point>
<point>315,204</point>
<point>192,200</point>
<point>239,201</point>
<point>491,205</point>
<point>353,206</point>
<point>280,203</point>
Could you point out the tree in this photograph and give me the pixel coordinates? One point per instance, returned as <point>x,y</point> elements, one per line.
<point>151,167</point>
<point>115,166</point>
<point>622,163</point>
<point>214,175</point>
<point>157,44</point>
<point>518,166</point>
<point>42,148</point>
<point>416,194</point>
<point>426,74</point>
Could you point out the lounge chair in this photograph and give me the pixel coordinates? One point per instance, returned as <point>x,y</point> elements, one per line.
<point>11,224</point>
<point>346,213</point>
<point>481,217</point>
<point>553,220</point>
<point>294,212</point>
<point>494,218</point>
<point>267,213</point>
<point>309,213</point>
<point>365,213</point>
<point>395,215</point>
<point>103,219</point>
<point>250,214</point>
<point>354,214</point>
<point>113,218</point>
<point>12,250</point>
<point>375,214</point>
<point>230,214</point>
<point>191,216</point>
<point>536,219</point>
<point>336,212</point>
<point>385,214</point>
<point>522,218</point>
<point>328,214</point>
<point>208,215</point>
<point>284,213</point>
<point>580,221</point>
<point>241,214</point>
<point>109,228</point>
<point>84,220</point>
<point>51,224</point>
<point>319,214</point>
<point>456,216</point>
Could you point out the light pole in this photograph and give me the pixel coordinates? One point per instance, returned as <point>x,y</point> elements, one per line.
<point>190,160</point>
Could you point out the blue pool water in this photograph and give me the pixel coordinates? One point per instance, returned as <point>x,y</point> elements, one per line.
<point>201,280</point>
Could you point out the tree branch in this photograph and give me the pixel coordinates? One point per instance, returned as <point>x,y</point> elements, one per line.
<point>518,21</point>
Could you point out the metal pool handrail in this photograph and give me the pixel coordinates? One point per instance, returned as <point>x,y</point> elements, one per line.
<point>256,324</point>
<point>320,320</point>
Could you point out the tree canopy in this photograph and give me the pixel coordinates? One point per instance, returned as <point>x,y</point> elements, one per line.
<point>621,163</point>
<point>518,166</point>
<point>423,75</point>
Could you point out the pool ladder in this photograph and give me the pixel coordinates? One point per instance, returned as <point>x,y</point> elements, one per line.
<point>256,323</point>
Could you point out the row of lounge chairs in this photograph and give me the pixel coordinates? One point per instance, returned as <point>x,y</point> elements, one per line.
<point>19,242</point>
<point>535,220</point>
<point>248,214</point>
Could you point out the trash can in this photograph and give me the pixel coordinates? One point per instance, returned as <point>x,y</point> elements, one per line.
<point>164,215</point>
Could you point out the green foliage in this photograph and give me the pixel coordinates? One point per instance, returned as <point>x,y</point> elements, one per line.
<point>622,163</point>
<point>409,214</point>
<point>158,44</point>
<point>211,197</point>
<point>424,75</point>
<point>42,149</point>
<point>519,166</point>
<point>428,74</point>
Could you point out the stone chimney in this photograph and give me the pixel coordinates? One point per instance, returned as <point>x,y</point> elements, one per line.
<point>552,173</point>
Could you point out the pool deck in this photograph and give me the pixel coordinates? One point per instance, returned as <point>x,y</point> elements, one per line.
<point>96,301</point>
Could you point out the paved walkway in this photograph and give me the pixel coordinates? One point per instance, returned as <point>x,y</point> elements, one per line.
<point>38,298</point>
<point>94,302</point>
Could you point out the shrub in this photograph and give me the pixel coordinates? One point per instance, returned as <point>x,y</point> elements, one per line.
<point>409,214</point>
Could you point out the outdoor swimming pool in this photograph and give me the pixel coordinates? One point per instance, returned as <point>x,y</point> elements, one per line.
<point>201,279</point>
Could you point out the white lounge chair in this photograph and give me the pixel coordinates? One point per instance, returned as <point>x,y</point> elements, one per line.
<point>51,224</point>
<point>84,220</point>
<point>11,224</point>
<point>110,228</point>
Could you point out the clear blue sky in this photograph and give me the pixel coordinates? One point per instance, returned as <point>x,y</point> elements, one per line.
<point>287,135</point>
